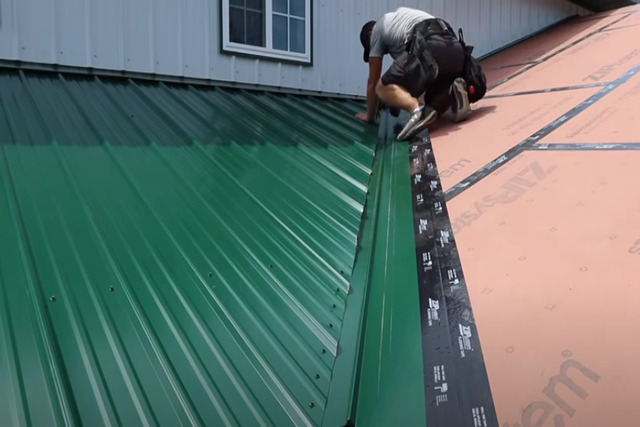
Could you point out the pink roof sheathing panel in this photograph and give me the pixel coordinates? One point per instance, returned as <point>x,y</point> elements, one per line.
<point>497,125</point>
<point>615,119</point>
<point>553,275</point>
<point>627,22</point>
<point>550,41</point>
<point>602,57</point>
<point>541,185</point>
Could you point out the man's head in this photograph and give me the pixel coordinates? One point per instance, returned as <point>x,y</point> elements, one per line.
<point>365,38</point>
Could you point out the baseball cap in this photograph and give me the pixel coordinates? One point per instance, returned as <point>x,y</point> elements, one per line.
<point>365,40</point>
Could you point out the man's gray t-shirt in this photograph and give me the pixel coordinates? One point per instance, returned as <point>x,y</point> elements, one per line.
<point>391,31</point>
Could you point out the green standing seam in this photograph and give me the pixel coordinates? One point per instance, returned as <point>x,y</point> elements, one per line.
<point>390,390</point>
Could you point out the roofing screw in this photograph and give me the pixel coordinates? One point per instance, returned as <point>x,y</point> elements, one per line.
<point>111,289</point>
<point>210,274</point>
<point>270,265</point>
<point>312,405</point>
<point>341,271</point>
<point>317,376</point>
<point>324,351</point>
<point>52,298</point>
<point>331,325</point>
<point>334,306</point>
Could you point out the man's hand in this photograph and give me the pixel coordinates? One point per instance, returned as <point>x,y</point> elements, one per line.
<point>364,117</point>
<point>375,69</point>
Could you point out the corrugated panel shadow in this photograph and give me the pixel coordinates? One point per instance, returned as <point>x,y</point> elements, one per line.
<point>173,255</point>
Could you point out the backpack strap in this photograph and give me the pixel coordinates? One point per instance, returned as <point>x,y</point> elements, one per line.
<point>468,49</point>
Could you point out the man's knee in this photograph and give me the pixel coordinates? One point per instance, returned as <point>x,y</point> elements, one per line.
<point>384,90</point>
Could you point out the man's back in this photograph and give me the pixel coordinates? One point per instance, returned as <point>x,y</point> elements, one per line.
<point>391,31</point>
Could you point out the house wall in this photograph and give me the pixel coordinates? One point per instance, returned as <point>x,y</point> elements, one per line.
<point>182,37</point>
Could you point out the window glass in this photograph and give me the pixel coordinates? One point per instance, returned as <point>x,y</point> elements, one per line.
<point>297,33</point>
<point>236,25</point>
<point>255,5</point>
<point>297,8</point>
<point>280,6</point>
<point>255,28</point>
<point>277,29</point>
<point>280,32</point>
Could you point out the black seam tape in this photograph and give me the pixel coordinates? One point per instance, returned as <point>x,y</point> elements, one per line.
<point>517,64</point>
<point>621,27</point>
<point>602,146</point>
<point>549,90</point>
<point>456,383</point>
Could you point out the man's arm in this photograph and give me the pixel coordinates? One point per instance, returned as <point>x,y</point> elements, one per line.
<point>375,69</point>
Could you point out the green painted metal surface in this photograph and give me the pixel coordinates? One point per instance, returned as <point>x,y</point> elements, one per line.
<point>390,387</point>
<point>175,255</point>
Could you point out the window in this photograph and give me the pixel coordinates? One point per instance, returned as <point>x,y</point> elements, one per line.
<point>279,29</point>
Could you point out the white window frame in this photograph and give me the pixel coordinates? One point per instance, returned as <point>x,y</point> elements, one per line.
<point>268,51</point>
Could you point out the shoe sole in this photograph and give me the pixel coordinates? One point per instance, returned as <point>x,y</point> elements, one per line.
<point>460,92</point>
<point>420,126</point>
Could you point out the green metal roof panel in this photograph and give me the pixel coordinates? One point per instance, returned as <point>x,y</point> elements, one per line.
<point>183,254</point>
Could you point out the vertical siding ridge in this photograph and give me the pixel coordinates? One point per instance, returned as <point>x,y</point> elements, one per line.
<point>197,53</point>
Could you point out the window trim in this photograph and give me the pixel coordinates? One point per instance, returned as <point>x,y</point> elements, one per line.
<point>267,52</point>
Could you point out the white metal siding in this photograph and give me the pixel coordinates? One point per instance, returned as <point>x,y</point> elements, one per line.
<point>182,37</point>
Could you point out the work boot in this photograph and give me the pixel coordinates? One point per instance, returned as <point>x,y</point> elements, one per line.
<point>460,107</point>
<point>418,121</point>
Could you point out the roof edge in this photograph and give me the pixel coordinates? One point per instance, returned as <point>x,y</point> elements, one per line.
<point>165,78</point>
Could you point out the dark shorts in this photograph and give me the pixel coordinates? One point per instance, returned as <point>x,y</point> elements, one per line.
<point>446,57</point>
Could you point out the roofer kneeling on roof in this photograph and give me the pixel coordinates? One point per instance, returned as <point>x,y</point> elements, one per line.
<point>428,59</point>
